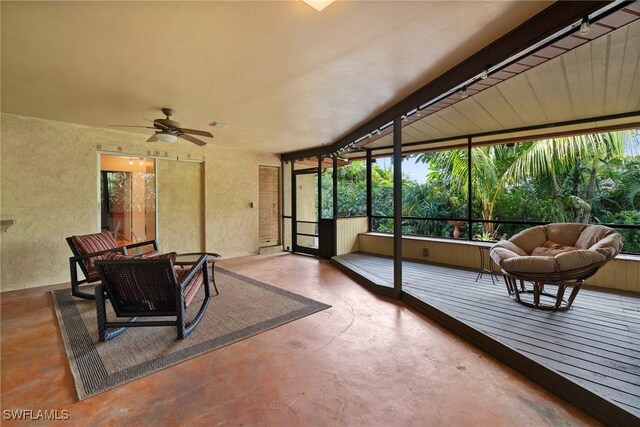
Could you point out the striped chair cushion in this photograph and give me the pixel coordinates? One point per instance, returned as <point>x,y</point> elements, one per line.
<point>192,288</point>
<point>90,243</point>
<point>149,255</point>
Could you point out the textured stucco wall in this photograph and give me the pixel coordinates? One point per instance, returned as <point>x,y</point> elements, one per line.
<point>49,185</point>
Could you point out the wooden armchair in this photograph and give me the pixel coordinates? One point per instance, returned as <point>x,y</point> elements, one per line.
<point>139,287</point>
<point>89,248</point>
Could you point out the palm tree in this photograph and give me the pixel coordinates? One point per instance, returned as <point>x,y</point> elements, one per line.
<point>548,157</point>
<point>498,167</point>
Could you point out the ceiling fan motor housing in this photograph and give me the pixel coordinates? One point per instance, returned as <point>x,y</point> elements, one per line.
<point>167,123</point>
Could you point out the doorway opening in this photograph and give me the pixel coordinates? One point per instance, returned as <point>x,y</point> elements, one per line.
<point>128,198</point>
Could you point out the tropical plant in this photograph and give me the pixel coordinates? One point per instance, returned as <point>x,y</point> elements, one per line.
<point>498,169</point>
<point>588,178</point>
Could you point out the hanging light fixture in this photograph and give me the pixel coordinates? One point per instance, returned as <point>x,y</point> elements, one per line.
<point>585,26</point>
<point>165,136</point>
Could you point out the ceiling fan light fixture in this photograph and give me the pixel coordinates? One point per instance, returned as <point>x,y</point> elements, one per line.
<point>166,137</point>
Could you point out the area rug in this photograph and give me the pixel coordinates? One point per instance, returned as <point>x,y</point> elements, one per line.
<point>244,307</point>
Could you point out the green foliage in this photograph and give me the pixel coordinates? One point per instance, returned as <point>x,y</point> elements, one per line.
<point>588,178</point>
<point>630,238</point>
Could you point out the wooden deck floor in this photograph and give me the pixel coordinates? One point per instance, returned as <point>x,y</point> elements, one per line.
<point>596,344</point>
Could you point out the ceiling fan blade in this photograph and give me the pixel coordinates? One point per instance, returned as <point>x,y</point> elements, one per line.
<point>156,125</point>
<point>192,139</point>
<point>196,132</point>
<point>152,138</point>
<point>131,126</point>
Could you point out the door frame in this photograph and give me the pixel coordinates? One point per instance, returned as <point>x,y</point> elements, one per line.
<point>294,211</point>
<point>326,227</point>
<point>99,154</point>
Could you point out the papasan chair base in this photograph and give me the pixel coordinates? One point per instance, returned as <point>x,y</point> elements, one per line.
<point>534,290</point>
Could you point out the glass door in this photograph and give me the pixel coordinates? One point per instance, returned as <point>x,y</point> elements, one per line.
<point>305,224</point>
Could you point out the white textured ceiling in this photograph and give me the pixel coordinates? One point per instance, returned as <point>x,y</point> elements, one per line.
<point>281,75</point>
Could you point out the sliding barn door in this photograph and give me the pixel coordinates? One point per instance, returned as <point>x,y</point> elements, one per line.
<point>181,225</point>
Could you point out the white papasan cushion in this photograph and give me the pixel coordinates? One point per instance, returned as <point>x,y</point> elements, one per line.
<point>600,244</point>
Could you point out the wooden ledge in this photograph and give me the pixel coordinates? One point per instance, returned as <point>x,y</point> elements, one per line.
<point>476,243</point>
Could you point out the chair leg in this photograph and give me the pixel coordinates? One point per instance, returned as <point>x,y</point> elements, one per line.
<point>75,283</point>
<point>213,280</point>
<point>79,294</point>
<point>188,328</point>
<point>101,311</point>
<point>574,293</point>
<point>180,326</point>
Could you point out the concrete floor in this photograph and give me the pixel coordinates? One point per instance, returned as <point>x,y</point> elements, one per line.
<point>366,361</point>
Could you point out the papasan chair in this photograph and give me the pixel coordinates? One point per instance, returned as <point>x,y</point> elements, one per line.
<point>547,258</point>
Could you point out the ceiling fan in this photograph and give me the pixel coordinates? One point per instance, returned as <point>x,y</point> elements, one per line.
<point>168,130</point>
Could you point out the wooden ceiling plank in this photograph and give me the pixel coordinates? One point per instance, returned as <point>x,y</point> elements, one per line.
<point>624,57</point>
<point>585,78</point>
<point>498,108</point>
<point>522,98</point>
<point>599,55</point>
<point>381,142</point>
<point>411,134</point>
<point>472,108</point>
<point>421,125</point>
<point>551,92</point>
<point>581,97</point>
<point>446,128</point>
<point>633,102</point>
<point>425,131</point>
<point>432,127</point>
<point>447,117</point>
<point>459,120</point>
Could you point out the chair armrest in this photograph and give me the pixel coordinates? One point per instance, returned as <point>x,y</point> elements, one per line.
<point>211,254</point>
<point>138,244</point>
<point>211,258</point>
<point>202,262</point>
